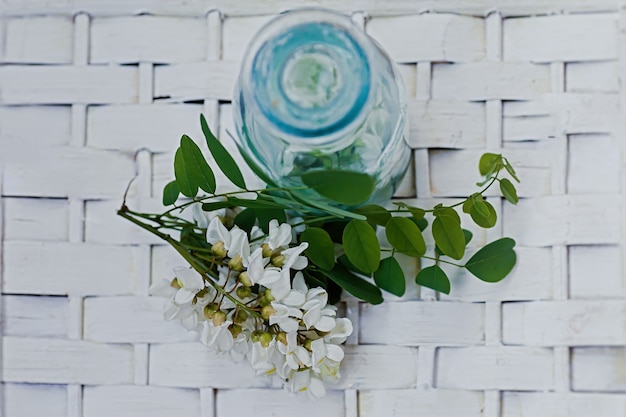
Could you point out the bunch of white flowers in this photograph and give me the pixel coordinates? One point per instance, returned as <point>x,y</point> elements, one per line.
<point>254,304</point>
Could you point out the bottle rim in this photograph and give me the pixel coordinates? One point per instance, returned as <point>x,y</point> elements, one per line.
<point>282,24</point>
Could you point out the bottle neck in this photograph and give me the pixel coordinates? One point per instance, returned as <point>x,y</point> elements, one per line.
<point>312,80</point>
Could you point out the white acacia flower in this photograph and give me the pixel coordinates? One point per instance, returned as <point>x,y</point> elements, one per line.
<point>318,314</point>
<point>259,272</point>
<point>279,235</point>
<point>190,283</point>
<point>260,357</point>
<point>235,241</point>
<point>306,381</point>
<point>217,338</point>
<point>343,328</point>
<point>296,356</point>
<point>325,358</point>
<point>287,318</point>
<point>203,218</point>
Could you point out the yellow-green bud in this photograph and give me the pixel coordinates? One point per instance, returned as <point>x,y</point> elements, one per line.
<point>266,298</point>
<point>240,317</point>
<point>236,264</point>
<point>245,279</point>
<point>218,249</point>
<point>235,329</point>
<point>282,338</point>
<point>243,292</point>
<point>266,250</point>
<point>265,339</point>
<point>219,317</point>
<point>176,284</point>
<point>256,336</point>
<point>267,311</point>
<point>278,261</point>
<point>210,310</point>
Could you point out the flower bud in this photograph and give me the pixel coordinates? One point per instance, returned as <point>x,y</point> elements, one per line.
<point>176,284</point>
<point>236,264</point>
<point>265,339</point>
<point>245,279</point>
<point>282,338</point>
<point>219,317</point>
<point>209,311</point>
<point>267,311</point>
<point>255,336</point>
<point>243,292</point>
<point>240,317</point>
<point>278,260</point>
<point>235,329</point>
<point>218,249</point>
<point>266,250</point>
<point>266,297</point>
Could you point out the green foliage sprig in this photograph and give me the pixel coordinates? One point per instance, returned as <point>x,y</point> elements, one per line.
<point>344,248</point>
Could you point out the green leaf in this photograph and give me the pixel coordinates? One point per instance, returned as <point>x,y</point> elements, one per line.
<point>480,207</point>
<point>509,168</point>
<point>327,208</point>
<point>199,171</point>
<point>343,260</point>
<point>255,168</point>
<point>246,219</point>
<point>422,224</point>
<point>446,211</point>
<point>222,157</point>
<point>449,236</point>
<point>468,236</point>
<point>405,236</point>
<point>256,203</point>
<point>321,250</point>
<point>265,215</point>
<point>435,278</point>
<point>361,246</point>
<point>186,184</point>
<point>508,191</point>
<point>375,214</point>
<point>488,163</point>
<point>356,286</point>
<point>216,205</point>
<point>390,277</point>
<point>170,193</point>
<point>344,187</point>
<point>493,262</point>
<point>487,221</point>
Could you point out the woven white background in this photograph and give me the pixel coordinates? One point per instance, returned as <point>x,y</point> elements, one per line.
<point>93,91</point>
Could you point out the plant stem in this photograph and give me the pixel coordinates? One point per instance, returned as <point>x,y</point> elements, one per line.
<point>124,212</point>
<point>441,260</point>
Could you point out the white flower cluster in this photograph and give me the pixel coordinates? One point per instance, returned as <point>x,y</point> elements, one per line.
<point>260,307</point>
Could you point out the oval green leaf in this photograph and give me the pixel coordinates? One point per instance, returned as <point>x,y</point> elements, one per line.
<point>375,214</point>
<point>488,163</point>
<point>265,215</point>
<point>186,184</point>
<point>434,278</point>
<point>508,191</point>
<point>246,219</point>
<point>493,262</point>
<point>200,172</point>
<point>222,157</point>
<point>344,187</point>
<point>405,236</point>
<point>449,236</point>
<point>170,193</point>
<point>321,250</point>
<point>356,286</point>
<point>487,221</point>
<point>390,277</point>
<point>361,246</point>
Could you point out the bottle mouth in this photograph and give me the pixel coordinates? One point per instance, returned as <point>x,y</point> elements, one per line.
<point>309,74</point>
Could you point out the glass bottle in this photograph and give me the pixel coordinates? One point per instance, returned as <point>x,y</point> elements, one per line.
<point>315,92</point>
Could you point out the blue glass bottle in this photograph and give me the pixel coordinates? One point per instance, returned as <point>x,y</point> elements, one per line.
<point>315,92</point>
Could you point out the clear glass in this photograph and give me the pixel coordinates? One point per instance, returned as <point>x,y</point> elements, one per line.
<point>315,92</point>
